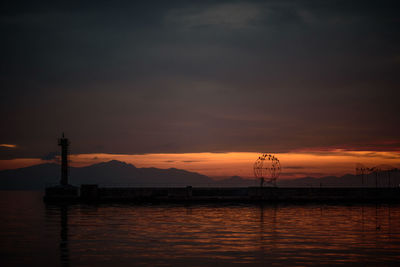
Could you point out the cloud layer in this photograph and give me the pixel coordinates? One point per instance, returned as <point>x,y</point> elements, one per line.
<point>209,76</point>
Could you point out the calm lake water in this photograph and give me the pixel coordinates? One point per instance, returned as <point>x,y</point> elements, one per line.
<point>196,235</point>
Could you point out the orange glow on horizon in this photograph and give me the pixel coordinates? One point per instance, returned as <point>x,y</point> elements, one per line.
<point>294,164</point>
<point>8,145</point>
<point>9,164</point>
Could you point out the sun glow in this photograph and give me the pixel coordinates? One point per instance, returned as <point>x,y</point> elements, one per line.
<point>295,164</point>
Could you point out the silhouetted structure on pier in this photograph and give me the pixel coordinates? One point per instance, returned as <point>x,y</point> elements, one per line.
<point>382,173</point>
<point>64,143</point>
<point>63,191</point>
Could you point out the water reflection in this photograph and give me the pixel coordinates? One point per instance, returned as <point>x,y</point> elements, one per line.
<point>241,234</point>
<point>57,220</point>
<point>268,236</point>
<point>64,250</point>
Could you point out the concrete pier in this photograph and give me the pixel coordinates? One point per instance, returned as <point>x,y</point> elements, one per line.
<point>94,193</point>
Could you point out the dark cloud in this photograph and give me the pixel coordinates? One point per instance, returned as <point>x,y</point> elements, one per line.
<point>182,76</point>
<point>50,156</point>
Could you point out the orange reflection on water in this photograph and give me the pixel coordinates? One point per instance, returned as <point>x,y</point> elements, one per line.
<point>200,235</point>
<point>239,233</point>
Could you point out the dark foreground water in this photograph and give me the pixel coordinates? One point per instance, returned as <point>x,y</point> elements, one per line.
<point>35,234</point>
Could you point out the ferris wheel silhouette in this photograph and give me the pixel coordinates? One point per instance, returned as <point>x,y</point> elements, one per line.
<point>267,168</point>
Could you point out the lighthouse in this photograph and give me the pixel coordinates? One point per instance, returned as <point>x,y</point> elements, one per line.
<point>64,143</point>
<point>64,191</point>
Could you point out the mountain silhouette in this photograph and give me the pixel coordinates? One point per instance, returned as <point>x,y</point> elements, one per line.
<point>112,173</point>
<point>118,173</point>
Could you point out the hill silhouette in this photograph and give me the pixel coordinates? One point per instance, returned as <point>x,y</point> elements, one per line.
<point>118,173</point>
<point>112,173</point>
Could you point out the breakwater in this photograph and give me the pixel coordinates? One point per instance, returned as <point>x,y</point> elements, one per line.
<point>94,193</point>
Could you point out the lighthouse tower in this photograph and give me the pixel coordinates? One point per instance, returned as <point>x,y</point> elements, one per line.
<point>64,143</point>
<point>63,191</point>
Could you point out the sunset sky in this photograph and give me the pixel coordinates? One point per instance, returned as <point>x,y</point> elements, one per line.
<point>202,85</point>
